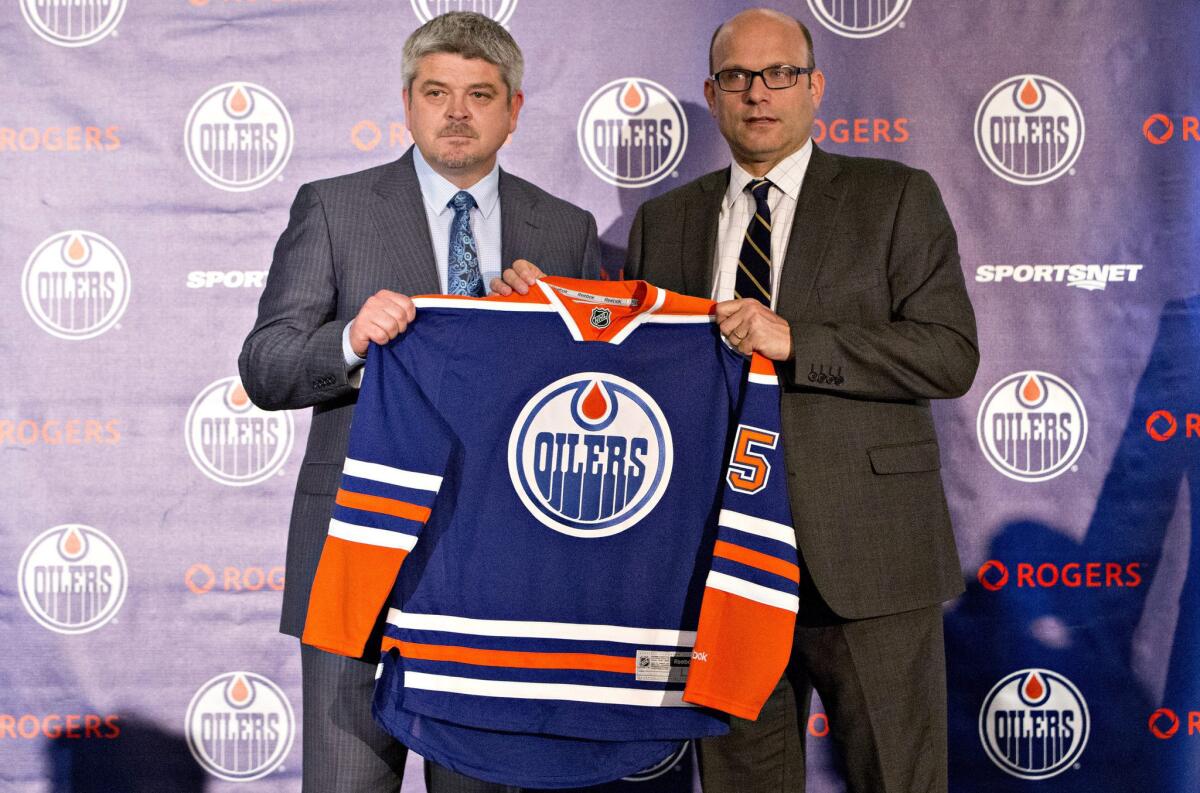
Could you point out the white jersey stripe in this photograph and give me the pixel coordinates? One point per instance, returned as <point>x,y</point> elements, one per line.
<point>482,305</point>
<point>570,692</point>
<point>542,630</point>
<point>751,591</point>
<point>371,536</point>
<point>764,379</point>
<point>682,319</point>
<point>391,476</point>
<point>760,526</point>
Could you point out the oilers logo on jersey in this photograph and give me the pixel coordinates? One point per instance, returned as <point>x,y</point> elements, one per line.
<point>590,455</point>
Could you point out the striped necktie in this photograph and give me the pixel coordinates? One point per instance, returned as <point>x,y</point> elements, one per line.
<point>754,263</point>
<point>464,277</point>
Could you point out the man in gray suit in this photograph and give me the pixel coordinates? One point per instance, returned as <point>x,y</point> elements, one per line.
<point>442,218</point>
<point>846,271</point>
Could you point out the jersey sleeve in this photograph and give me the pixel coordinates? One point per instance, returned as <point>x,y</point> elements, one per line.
<point>748,611</point>
<point>397,453</point>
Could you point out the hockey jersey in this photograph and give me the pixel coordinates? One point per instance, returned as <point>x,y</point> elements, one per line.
<point>573,505</point>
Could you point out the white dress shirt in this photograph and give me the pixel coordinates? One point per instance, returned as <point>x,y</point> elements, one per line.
<point>737,209</point>
<point>436,193</point>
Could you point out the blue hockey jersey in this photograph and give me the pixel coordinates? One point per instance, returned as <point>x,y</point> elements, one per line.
<point>573,505</point>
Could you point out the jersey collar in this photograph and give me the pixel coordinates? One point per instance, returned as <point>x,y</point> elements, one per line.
<point>605,311</point>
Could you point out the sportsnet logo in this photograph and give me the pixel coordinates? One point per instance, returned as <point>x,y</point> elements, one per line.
<point>590,455</point>
<point>238,136</point>
<point>1029,130</point>
<point>240,726</point>
<point>72,579</point>
<point>632,132</point>
<point>232,440</point>
<point>1034,724</point>
<point>859,19</point>
<point>1032,426</point>
<point>75,285</point>
<point>72,23</point>
<point>1091,277</point>
<point>499,10</point>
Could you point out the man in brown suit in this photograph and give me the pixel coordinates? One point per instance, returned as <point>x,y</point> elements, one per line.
<point>846,271</point>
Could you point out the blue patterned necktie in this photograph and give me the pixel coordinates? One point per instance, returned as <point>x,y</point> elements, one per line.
<point>464,277</point>
<point>754,263</point>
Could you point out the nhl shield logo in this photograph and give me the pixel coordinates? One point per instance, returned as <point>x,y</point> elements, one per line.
<point>601,317</point>
<point>590,455</point>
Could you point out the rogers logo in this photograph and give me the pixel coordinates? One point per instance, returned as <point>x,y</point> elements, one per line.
<point>59,432</point>
<point>861,130</point>
<point>1164,723</point>
<point>30,726</point>
<point>1161,425</point>
<point>367,135</point>
<point>1158,128</point>
<point>201,579</point>
<point>994,575</point>
<point>89,138</point>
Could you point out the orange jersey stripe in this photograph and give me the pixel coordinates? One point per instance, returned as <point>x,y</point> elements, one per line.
<point>761,365</point>
<point>511,658</point>
<point>384,506</point>
<point>757,559</point>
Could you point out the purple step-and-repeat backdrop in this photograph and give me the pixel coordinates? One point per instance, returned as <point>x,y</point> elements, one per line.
<point>148,155</point>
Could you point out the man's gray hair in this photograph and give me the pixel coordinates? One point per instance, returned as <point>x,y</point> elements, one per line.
<point>470,35</point>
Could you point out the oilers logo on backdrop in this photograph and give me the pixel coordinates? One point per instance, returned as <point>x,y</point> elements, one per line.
<point>859,19</point>
<point>240,726</point>
<point>1034,724</point>
<point>75,285</point>
<point>238,136</point>
<point>1029,129</point>
<point>632,132</point>
<point>231,439</point>
<point>1032,426</point>
<point>72,23</point>
<point>590,455</point>
<point>499,10</point>
<point>72,578</point>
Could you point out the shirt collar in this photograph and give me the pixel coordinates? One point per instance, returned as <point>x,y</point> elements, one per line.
<point>787,175</point>
<point>437,190</point>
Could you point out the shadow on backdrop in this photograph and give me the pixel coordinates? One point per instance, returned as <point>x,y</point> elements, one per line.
<point>142,759</point>
<point>1159,454</point>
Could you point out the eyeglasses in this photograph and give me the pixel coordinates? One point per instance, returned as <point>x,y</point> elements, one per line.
<point>773,77</point>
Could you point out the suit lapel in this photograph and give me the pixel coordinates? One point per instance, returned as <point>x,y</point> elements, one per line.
<point>518,222</point>
<point>399,214</point>
<point>816,212</point>
<point>700,221</point>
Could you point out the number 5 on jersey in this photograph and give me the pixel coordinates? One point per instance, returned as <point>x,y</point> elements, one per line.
<point>749,468</point>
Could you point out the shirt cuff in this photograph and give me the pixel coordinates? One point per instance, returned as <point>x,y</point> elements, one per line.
<point>352,359</point>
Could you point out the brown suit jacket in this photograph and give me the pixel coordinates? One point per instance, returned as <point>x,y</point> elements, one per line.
<point>881,323</point>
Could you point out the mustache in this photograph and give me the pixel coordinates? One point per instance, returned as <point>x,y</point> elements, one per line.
<point>457,131</point>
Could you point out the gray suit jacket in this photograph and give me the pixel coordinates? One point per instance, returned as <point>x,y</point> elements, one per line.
<point>347,238</point>
<point>881,323</point>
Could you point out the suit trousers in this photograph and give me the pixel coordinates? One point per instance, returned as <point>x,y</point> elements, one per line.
<point>882,681</point>
<point>344,750</point>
